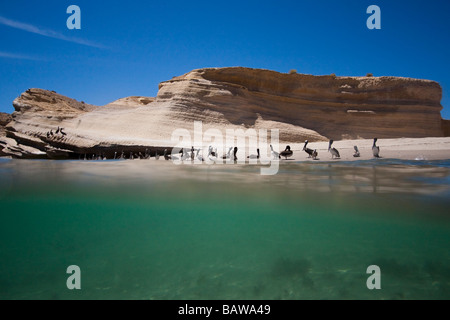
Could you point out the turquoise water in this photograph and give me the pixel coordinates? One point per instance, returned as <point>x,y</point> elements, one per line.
<point>153,230</point>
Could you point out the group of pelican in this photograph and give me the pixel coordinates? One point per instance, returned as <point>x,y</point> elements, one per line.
<point>59,131</point>
<point>194,154</point>
<point>312,153</point>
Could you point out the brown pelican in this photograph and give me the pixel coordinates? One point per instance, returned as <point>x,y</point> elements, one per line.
<point>235,154</point>
<point>57,131</point>
<point>308,151</point>
<point>199,157</point>
<point>169,156</point>
<point>314,154</point>
<point>357,154</point>
<point>375,149</point>
<point>254,156</point>
<point>184,154</point>
<point>166,156</point>
<point>62,132</point>
<point>275,154</point>
<point>212,154</point>
<point>228,155</point>
<point>334,151</point>
<point>287,153</point>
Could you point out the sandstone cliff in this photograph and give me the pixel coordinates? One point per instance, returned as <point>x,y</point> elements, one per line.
<point>446,127</point>
<point>303,107</point>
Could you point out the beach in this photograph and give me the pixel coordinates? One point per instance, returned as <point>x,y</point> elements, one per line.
<point>404,149</point>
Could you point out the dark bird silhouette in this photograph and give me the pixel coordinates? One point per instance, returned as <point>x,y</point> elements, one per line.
<point>228,155</point>
<point>334,152</point>
<point>254,156</point>
<point>307,150</point>
<point>375,149</point>
<point>199,157</point>
<point>287,153</point>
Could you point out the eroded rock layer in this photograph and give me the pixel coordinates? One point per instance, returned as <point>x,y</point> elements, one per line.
<point>302,107</point>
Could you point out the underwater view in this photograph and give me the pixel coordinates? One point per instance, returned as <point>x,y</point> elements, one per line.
<point>156,231</point>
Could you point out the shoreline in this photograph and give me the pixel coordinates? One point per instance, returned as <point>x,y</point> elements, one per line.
<point>398,148</point>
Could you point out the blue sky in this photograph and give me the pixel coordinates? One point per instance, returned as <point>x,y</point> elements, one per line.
<point>127,48</point>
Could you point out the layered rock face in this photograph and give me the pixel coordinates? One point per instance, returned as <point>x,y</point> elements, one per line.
<point>335,107</point>
<point>302,107</point>
<point>446,127</point>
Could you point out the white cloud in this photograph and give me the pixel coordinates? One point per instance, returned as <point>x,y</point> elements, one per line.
<point>46,32</point>
<point>18,56</point>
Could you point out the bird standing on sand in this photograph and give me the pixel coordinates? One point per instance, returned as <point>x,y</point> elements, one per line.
<point>199,157</point>
<point>156,155</point>
<point>57,131</point>
<point>235,154</point>
<point>357,154</point>
<point>287,153</point>
<point>62,132</point>
<point>184,154</point>
<point>314,154</point>
<point>169,156</point>
<point>308,151</point>
<point>166,156</point>
<point>254,156</point>
<point>275,154</point>
<point>228,155</point>
<point>375,149</point>
<point>334,152</point>
<point>212,154</point>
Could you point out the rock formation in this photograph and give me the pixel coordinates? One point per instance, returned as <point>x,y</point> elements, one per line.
<point>303,107</point>
<point>446,127</point>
